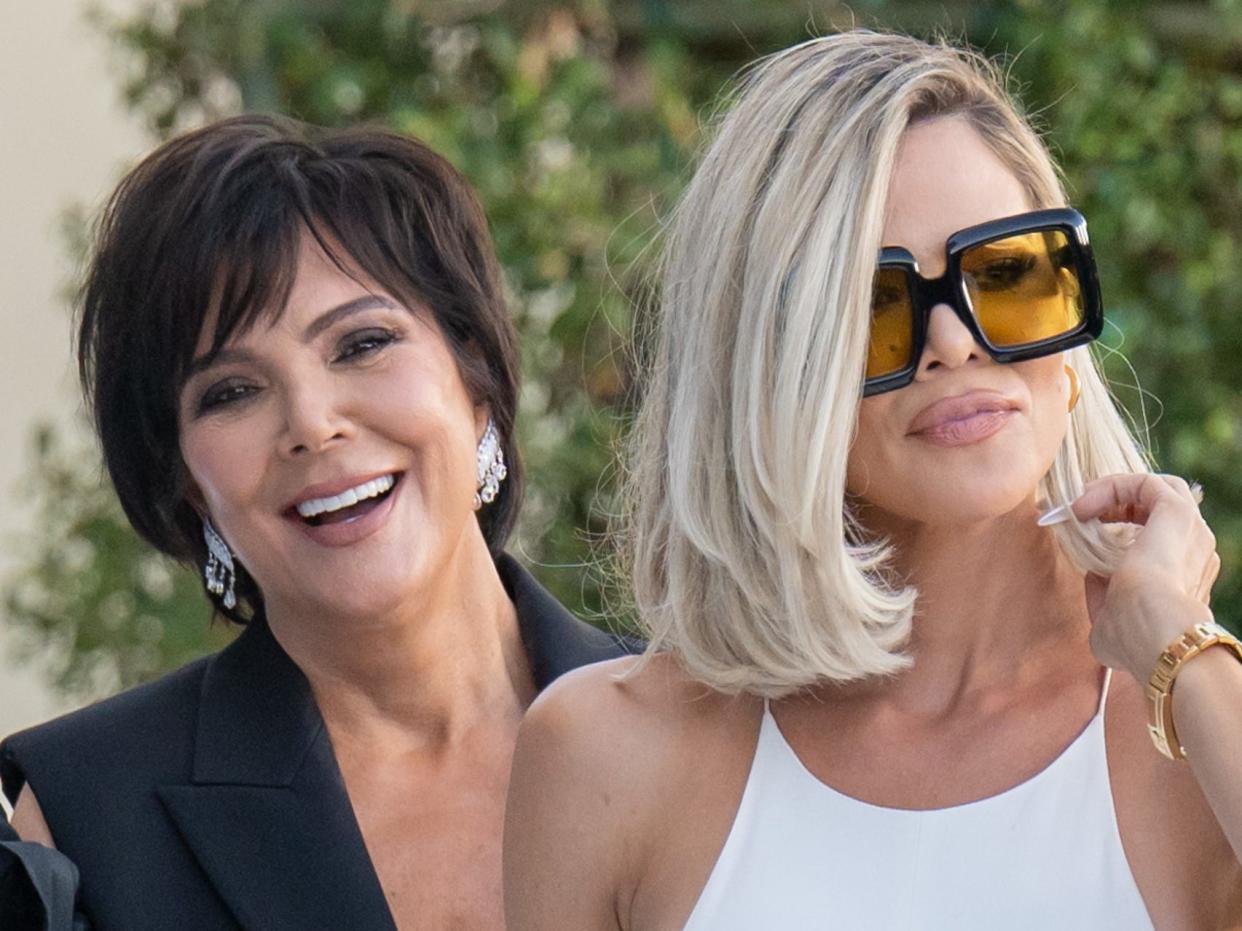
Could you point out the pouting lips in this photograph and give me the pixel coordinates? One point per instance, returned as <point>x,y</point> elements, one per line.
<point>352,512</point>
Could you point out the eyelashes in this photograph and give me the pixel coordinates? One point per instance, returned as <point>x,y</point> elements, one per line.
<point>221,395</point>
<point>355,349</point>
<point>363,343</point>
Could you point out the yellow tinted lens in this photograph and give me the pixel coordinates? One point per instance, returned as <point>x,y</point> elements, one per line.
<point>891,328</point>
<point>1025,288</point>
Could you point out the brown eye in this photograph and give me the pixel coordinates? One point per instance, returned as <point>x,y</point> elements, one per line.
<point>885,298</point>
<point>364,343</point>
<point>1001,273</point>
<point>889,290</point>
<point>224,394</point>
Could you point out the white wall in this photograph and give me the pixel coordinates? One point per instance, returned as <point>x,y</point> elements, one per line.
<point>64,140</point>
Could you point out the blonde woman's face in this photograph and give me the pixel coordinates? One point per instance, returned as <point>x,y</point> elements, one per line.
<point>969,439</point>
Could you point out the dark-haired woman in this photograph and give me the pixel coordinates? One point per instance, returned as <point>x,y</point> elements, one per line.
<point>305,381</point>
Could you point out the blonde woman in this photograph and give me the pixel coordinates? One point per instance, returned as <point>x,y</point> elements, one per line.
<point>893,681</point>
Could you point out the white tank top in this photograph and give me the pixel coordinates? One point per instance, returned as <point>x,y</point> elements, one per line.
<point>1043,854</point>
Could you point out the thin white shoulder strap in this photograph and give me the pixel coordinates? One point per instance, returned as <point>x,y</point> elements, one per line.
<point>1108,678</point>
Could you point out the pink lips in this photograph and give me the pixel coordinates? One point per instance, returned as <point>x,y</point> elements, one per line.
<point>962,420</point>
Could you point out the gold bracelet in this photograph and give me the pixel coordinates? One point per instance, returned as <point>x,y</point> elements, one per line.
<point>1177,654</point>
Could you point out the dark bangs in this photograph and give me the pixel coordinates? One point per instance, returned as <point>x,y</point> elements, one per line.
<point>206,232</point>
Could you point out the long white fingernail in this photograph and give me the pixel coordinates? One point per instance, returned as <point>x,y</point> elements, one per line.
<point>1057,515</point>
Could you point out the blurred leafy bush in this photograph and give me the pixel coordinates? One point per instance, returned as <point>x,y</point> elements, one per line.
<point>577,122</point>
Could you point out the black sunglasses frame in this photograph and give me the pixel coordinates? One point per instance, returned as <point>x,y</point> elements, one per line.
<point>950,289</point>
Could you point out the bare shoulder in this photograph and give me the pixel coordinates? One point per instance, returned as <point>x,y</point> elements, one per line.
<point>602,712</point>
<point>630,685</point>
<point>1180,857</point>
<point>602,777</point>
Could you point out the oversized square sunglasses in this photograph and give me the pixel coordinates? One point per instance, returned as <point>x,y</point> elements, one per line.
<point>1024,286</point>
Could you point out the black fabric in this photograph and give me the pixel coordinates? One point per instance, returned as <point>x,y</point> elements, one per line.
<point>37,886</point>
<point>211,798</point>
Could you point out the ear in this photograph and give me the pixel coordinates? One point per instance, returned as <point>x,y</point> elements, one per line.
<point>482,413</point>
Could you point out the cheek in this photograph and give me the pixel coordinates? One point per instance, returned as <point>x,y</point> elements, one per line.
<point>202,466</point>
<point>866,458</point>
<point>1048,386</point>
<point>221,466</point>
<point>432,419</point>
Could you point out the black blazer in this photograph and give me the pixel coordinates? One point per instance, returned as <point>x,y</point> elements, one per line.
<point>37,886</point>
<point>211,798</point>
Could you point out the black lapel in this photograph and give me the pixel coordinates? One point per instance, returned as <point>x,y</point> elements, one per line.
<point>266,812</point>
<point>555,640</point>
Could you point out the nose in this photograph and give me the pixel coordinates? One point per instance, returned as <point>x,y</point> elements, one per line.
<point>949,343</point>
<point>312,421</point>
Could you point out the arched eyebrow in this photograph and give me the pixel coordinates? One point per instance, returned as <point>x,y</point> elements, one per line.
<point>313,329</point>
<point>357,305</point>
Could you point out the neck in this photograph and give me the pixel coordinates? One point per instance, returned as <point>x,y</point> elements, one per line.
<point>446,660</point>
<point>998,604</point>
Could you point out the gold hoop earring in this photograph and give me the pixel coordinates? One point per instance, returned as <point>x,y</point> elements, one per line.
<point>1073,377</point>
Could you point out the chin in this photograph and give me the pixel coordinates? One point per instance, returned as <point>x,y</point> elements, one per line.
<point>953,504</point>
<point>363,599</point>
<point>980,513</point>
<point>361,588</point>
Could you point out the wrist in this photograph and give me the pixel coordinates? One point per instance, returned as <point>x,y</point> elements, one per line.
<point>1175,621</point>
<point>1199,679</point>
<point>1190,649</point>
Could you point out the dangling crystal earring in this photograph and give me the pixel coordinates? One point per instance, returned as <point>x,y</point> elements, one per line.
<point>219,572</point>
<point>490,461</point>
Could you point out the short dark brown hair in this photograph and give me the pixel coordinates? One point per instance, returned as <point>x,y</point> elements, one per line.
<point>208,227</point>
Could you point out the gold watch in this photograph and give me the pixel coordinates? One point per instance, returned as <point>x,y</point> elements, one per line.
<point>1160,688</point>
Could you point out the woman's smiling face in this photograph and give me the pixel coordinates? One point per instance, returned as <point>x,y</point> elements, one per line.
<point>346,395</point>
<point>938,451</point>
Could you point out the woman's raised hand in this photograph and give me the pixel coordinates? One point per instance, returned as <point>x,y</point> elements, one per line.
<point>1163,584</point>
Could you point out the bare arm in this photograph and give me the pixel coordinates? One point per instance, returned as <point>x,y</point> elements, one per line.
<point>28,820</point>
<point>1205,715</point>
<point>1161,588</point>
<point>563,834</point>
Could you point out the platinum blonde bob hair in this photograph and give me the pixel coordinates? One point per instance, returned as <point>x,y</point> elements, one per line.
<point>743,555</point>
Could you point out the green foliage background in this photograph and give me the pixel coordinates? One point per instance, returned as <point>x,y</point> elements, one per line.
<point>578,121</point>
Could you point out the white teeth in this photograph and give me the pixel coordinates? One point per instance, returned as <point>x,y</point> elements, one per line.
<point>347,498</point>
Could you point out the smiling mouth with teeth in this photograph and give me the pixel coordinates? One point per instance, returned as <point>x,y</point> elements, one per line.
<point>349,504</point>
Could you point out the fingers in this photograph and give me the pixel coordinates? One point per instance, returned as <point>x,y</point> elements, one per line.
<point>1132,498</point>
<point>1190,491</point>
<point>1175,540</point>
<point>1167,566</point>
<point>1126,499</point>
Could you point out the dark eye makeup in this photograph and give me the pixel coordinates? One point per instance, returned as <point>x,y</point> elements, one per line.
<point>362,343</point>
<point>355,348</point>
<point>223,393</point>
<point>1003,272</point>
